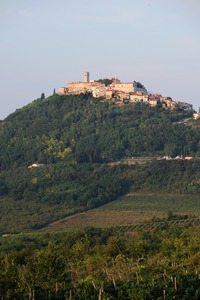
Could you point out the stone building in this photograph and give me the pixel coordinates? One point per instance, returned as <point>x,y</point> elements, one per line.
<point>121,92</point>
<point>96,88</point>
<point>138,97</point>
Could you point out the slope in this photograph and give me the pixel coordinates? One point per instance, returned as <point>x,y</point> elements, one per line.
<point>73,138</point>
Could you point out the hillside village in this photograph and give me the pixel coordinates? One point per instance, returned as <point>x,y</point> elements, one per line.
<point>121,92</point>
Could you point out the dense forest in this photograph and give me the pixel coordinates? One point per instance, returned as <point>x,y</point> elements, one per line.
<point>81,129</point>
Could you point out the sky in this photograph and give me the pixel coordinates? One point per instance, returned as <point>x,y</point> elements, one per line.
<point>44,44</point>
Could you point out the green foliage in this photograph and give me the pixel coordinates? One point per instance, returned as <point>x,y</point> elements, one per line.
<point>84,129</point>
<point>106,81</point>
<point>74,137</point>
<point>42,96</point>
<point>140,85</point>
<point>92,262</point>
<point>53,191</point>
<point>154,202</point>
<point>171,176</point>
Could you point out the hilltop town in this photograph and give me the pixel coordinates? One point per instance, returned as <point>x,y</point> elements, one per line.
<point>121,92</point>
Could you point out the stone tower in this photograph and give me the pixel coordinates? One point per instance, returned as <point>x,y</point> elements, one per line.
<point>86,77</point>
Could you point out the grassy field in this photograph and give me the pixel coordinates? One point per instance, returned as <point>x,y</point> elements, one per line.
<point>133,208</point>
<point>156,202</point>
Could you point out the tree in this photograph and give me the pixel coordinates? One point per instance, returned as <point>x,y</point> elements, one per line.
<point>47,267</point>
<point>106,81</point>
<point>140,85</point>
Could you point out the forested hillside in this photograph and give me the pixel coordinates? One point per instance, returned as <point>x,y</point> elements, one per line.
<point>84,129</point>
<point>82,146</point>
<point>74,138</point>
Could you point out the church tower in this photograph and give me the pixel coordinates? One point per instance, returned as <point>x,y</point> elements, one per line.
<point>86,77</point>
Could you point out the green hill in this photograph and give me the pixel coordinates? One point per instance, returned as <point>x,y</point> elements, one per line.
<point>84,129</point>
<point>74,139</point>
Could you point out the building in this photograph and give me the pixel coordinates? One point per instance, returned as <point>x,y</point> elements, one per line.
<point>99,89</point>
<point>73,88</point>
<point>63,91</point>
<point>121,91</point>
<point>127,87</point>
<point>138,97</point>
<point>153,100</point>
<point>83,87</point>
<point>196,116</point>
<point>86,77</point>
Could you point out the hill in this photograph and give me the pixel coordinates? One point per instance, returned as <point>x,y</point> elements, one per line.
<point>73,139</point>
<point>84,129</point>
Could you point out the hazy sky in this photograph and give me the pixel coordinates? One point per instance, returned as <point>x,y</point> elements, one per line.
<point>44,44</point>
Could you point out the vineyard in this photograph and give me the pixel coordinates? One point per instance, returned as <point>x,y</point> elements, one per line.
<point>157,261</point>
<point>153,225</point>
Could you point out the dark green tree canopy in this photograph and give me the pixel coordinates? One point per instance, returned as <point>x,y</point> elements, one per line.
<point>106,81</point>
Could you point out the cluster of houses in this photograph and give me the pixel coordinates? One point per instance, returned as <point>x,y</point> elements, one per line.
<point>121,92</point>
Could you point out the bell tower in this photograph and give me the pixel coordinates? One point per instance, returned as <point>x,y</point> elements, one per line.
<point>86,77</point>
